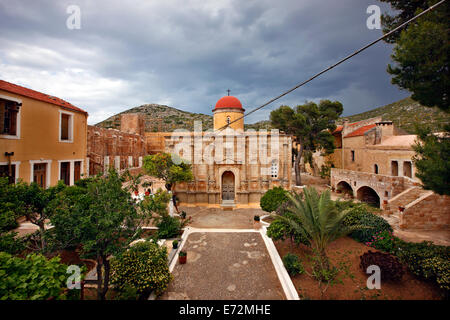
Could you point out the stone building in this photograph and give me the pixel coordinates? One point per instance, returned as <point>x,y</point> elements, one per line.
<point>373,162</point>
<point>231,167</point>
<point>121,149</point>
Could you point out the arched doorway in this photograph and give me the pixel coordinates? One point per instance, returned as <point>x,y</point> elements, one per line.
<point>369,196</point>
<point>228,185</point>
<point>345,188</point>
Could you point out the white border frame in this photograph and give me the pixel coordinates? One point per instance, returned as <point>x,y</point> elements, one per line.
<point>19,116</point>
<point>48,170</point>
<point>72,169</point>
<point>61,112</point>
<point>17,163</point>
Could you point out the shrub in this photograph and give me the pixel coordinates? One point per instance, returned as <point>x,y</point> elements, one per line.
<point>384,241</point>
<point>390,267</point>
<point>8,221</point>
<point>32,278</point>
<point>143,267</point>
<point>292,264</point>
<point>280,229</point>
<point>168,227</point>
<point>372,223</point>
<point>426,260</point>
<point>273,198</point>
<point>9,243</point>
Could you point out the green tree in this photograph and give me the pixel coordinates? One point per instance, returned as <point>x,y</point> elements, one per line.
<point>103,219</point>
<point>33,203</point>
<point>32,278</point>
<point>320,221</point>
<point>167,167</point>
<point>311,125</point>
<point>421,51</point>
<point>432,160</point>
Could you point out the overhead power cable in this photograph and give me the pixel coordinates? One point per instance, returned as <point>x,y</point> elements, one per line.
<point>336,64</point>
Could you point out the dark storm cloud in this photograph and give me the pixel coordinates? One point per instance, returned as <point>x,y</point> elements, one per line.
<point>187,53</point>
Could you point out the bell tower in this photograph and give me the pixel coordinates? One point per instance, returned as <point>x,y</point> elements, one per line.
<point>227,110</point>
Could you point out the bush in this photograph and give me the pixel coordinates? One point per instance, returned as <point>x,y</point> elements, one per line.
<point>9,243</point>
<point>32,278</point>
<point>279,229</point>
<point>292,264</point>
<point>8,221</point>
<point>384,241</point>
<point>391,269</point>
<point>168,227</point>
<point>273,198</point>
<point>143,267</point>
<point>426,260</point>
<point>372,223</point>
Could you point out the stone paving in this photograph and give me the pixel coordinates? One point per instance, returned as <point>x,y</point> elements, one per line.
<point>225,266</point>
<point>203,217</point>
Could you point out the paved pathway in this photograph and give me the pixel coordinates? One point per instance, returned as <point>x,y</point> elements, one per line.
<point>225,266</point>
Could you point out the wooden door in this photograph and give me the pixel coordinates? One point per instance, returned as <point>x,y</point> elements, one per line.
<point>65,172</point>
<point>228,186</point>
<point>40,174</point>
<point>77,171</point>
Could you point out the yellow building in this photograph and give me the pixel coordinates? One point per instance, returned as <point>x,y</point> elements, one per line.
<point>43,139</point>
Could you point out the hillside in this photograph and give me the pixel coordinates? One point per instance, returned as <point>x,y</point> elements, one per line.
<point>164,118</point>
<point>404,113</point>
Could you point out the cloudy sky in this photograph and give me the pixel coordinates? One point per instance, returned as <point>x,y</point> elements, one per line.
<point>187,53</point>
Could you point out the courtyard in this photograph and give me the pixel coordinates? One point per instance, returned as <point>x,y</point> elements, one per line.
<point>225,266</point>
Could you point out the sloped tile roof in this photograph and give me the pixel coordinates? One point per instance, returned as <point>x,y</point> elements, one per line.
<point>360,131</point>
<point>14,88</point>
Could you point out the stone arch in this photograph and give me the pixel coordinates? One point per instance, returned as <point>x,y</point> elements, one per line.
<point>228,186</point>
<point>368,195</point>
<point>344,187</point>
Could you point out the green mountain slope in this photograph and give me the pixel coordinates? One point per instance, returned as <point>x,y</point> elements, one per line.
<point>405,113</point>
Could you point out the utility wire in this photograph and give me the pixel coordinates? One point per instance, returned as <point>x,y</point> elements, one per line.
<point>336,64</point>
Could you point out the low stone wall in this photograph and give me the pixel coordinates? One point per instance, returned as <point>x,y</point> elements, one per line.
<point>430,212</point>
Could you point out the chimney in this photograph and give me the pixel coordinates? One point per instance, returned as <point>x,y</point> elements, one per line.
<point>386,129</point>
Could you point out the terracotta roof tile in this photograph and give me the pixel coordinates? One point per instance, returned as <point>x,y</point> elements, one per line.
<point>360,131</point>
<point>14,88</point>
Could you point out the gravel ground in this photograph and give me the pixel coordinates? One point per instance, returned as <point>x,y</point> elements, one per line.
<point>225,266</point>
<point>218,218</point>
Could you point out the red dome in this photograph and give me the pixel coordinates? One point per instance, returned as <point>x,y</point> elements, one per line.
<point>228,102</point>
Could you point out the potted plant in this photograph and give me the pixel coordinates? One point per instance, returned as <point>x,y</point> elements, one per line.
<point>182,257</point>
<point>401,208</point>
<point>175,244</point>
<point>183,214</point>
<point>256,222</point>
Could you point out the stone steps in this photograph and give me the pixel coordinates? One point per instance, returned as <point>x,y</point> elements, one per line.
<point>404,198</point>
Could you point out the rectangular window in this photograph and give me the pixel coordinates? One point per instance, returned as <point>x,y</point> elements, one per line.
<point>8,117</point>
<point>353,156</point>
<point>5,172</point>
<point>65,173</point>
<point>274,169</point>
<point>65,126</point>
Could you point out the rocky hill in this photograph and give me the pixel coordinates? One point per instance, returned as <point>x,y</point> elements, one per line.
<point>403,113</point>
<point>164,118</point>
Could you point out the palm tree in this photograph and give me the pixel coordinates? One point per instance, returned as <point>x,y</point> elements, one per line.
<point>320,221</point>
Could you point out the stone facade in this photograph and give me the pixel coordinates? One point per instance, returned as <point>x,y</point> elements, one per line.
<point>429,212</point>
<point>111,147</point>
<point>238,175</point>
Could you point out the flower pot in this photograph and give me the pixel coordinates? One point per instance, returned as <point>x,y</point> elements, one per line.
<point>401,209</point>
<point>182,259</point>
<point>174,245</point>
